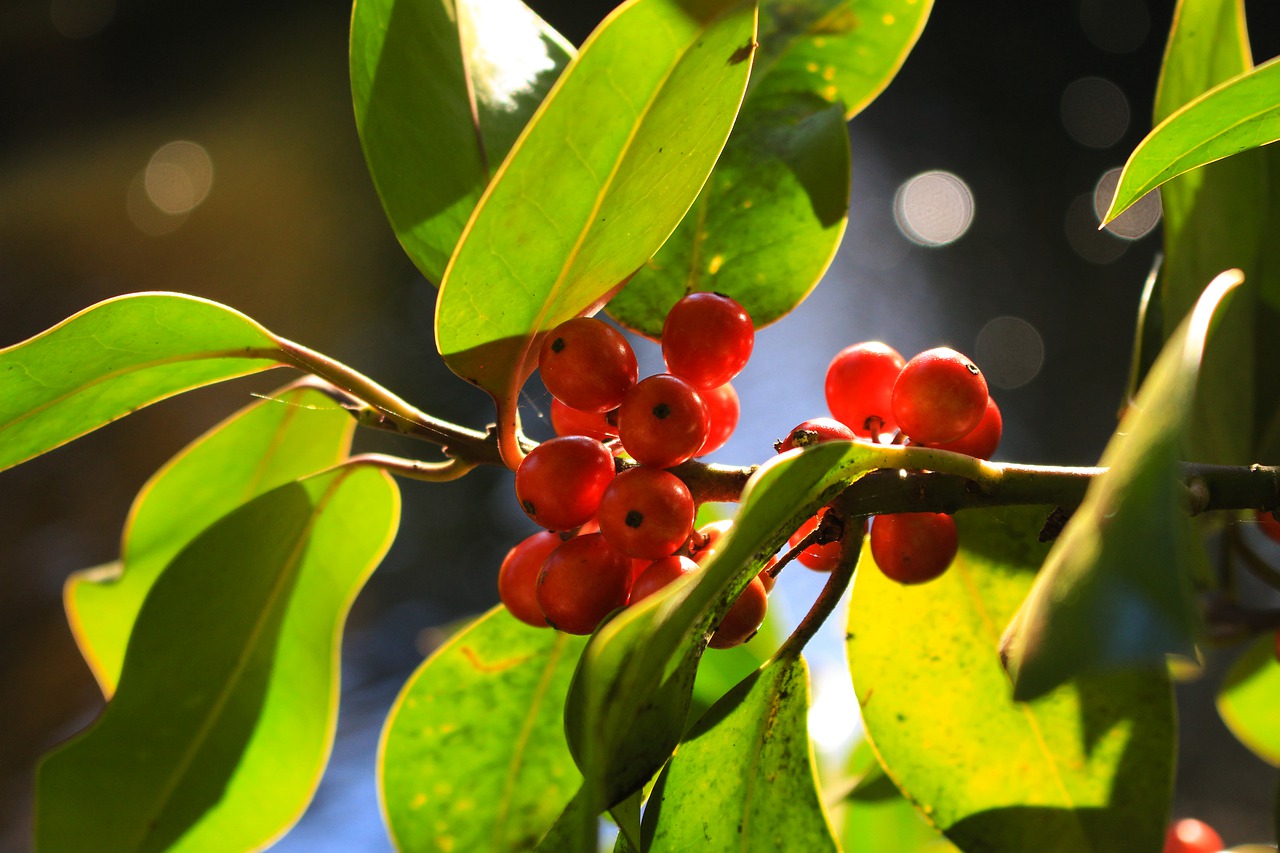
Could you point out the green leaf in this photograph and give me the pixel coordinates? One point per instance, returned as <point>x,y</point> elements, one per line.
<point>297,432</point>
<point>744,779</point>
<point>630,696</point>
<point>875,810</point>
<point>1203,211</point>
<point>1249,700</point>
<point>720,672</point>
<point>1116,589</point>
<point>602,175</point>
<point>1240,114</point>
<point>442,88</point>
<point>841,50</point>
<point>473,756</point>
<point>225,712</point>
<point>114,358</point>
<point>1087,767</point>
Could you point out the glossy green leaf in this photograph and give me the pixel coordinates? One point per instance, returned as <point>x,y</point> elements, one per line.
<point>225,713</point>
<point>601,176</point>
<point>442,88</point>
<point>297,432</point>
<point>768,222</point>
<point>1235,116</point>
<point>1202,214</point>
<point>473,756</point>
<point>114,358</point>
<point>1086,768</point>
<point>630,696</point>
<point>743,778</point>
<point>1249,700</point>
<point>1116,589</point>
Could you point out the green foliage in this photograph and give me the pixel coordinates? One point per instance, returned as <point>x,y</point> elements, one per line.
<point>1084,768</point>
<point>499,683</point>
<point>442,89</point>
<point>223,719</point>
<point>875,809</point>
<point>1247,700</point>
<point>115,358</point>
<point>1127,556</point>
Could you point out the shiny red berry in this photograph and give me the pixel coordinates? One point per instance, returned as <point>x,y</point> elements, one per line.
<point>1192,836</point>
<point>570,421</point>
<point>743,619</point>
<point>581,582</point>
<point>707,339</point>
<point>646,513</point>
<point>723,410</point>
<point>814,431</point>
<point>560,483</point>
<point>663,421</point>
<point>659,573</point>
<point>820,558</point>
<point>913,547</point>
<point>518,577</point>
<point>981,441</point>
<point>587,364</point>
<point>939,396</point>
<point>859,387</point>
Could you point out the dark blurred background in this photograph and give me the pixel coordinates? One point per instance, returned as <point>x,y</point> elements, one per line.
<point>210,148</point>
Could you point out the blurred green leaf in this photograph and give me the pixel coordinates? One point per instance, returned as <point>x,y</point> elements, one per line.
<point>1116,589</point>
<point>442,88</point>
<point>1249,700</point>
<point>1203,211</point>
<point>473,756</point>
<point>630,696</point>
<point>1235,116</point>
<point>875,812</point>
<point>297,432</point>
<point>114,358</point>
<point>743,779</point>
<point>603,174</point>
<point>769,219</point>
<point>1087,767</point>
<point>225,712</point>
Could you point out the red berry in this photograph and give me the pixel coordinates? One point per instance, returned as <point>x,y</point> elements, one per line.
<point>981,441</point>
<point>814,431</point>
<point>939,396</point>
<point>570,421</point>
<point>722,417</point>
<point>1268,524</point>
<point>659,573</point>
<point>663,421</point>
<point>518,577</point>
<point>587,364</point>
<point>646,513</point>
<point>820,558</point>
<point>1191,836</point>
<point>859,387</point>
<point>560,483</point>
<point>707,339</point>
<point>583,581</point>
<point>706,542</point>
<point>743,619</point>
<point>913,547</point>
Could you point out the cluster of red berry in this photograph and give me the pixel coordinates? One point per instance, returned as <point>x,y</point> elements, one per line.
<point>938,399</point>
<point>617,533</point>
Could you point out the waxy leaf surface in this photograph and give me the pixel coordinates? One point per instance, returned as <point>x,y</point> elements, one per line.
<point>473,756</point>
<point>1203,212</point>
<point>1116,590</point>
<point>743,778</point>
<point>1240,114</point>
<point>297,432</point>
<point>442,88</point>
<point>769,219</point>
<point>225,712</point>
<point>116,357</point>
<point>1249,701</point>
<point>1086,768</point>
<point>601,176</point>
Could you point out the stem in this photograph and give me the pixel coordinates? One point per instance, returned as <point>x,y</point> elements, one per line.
<point>825,603</point>
<point>415,469</point>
